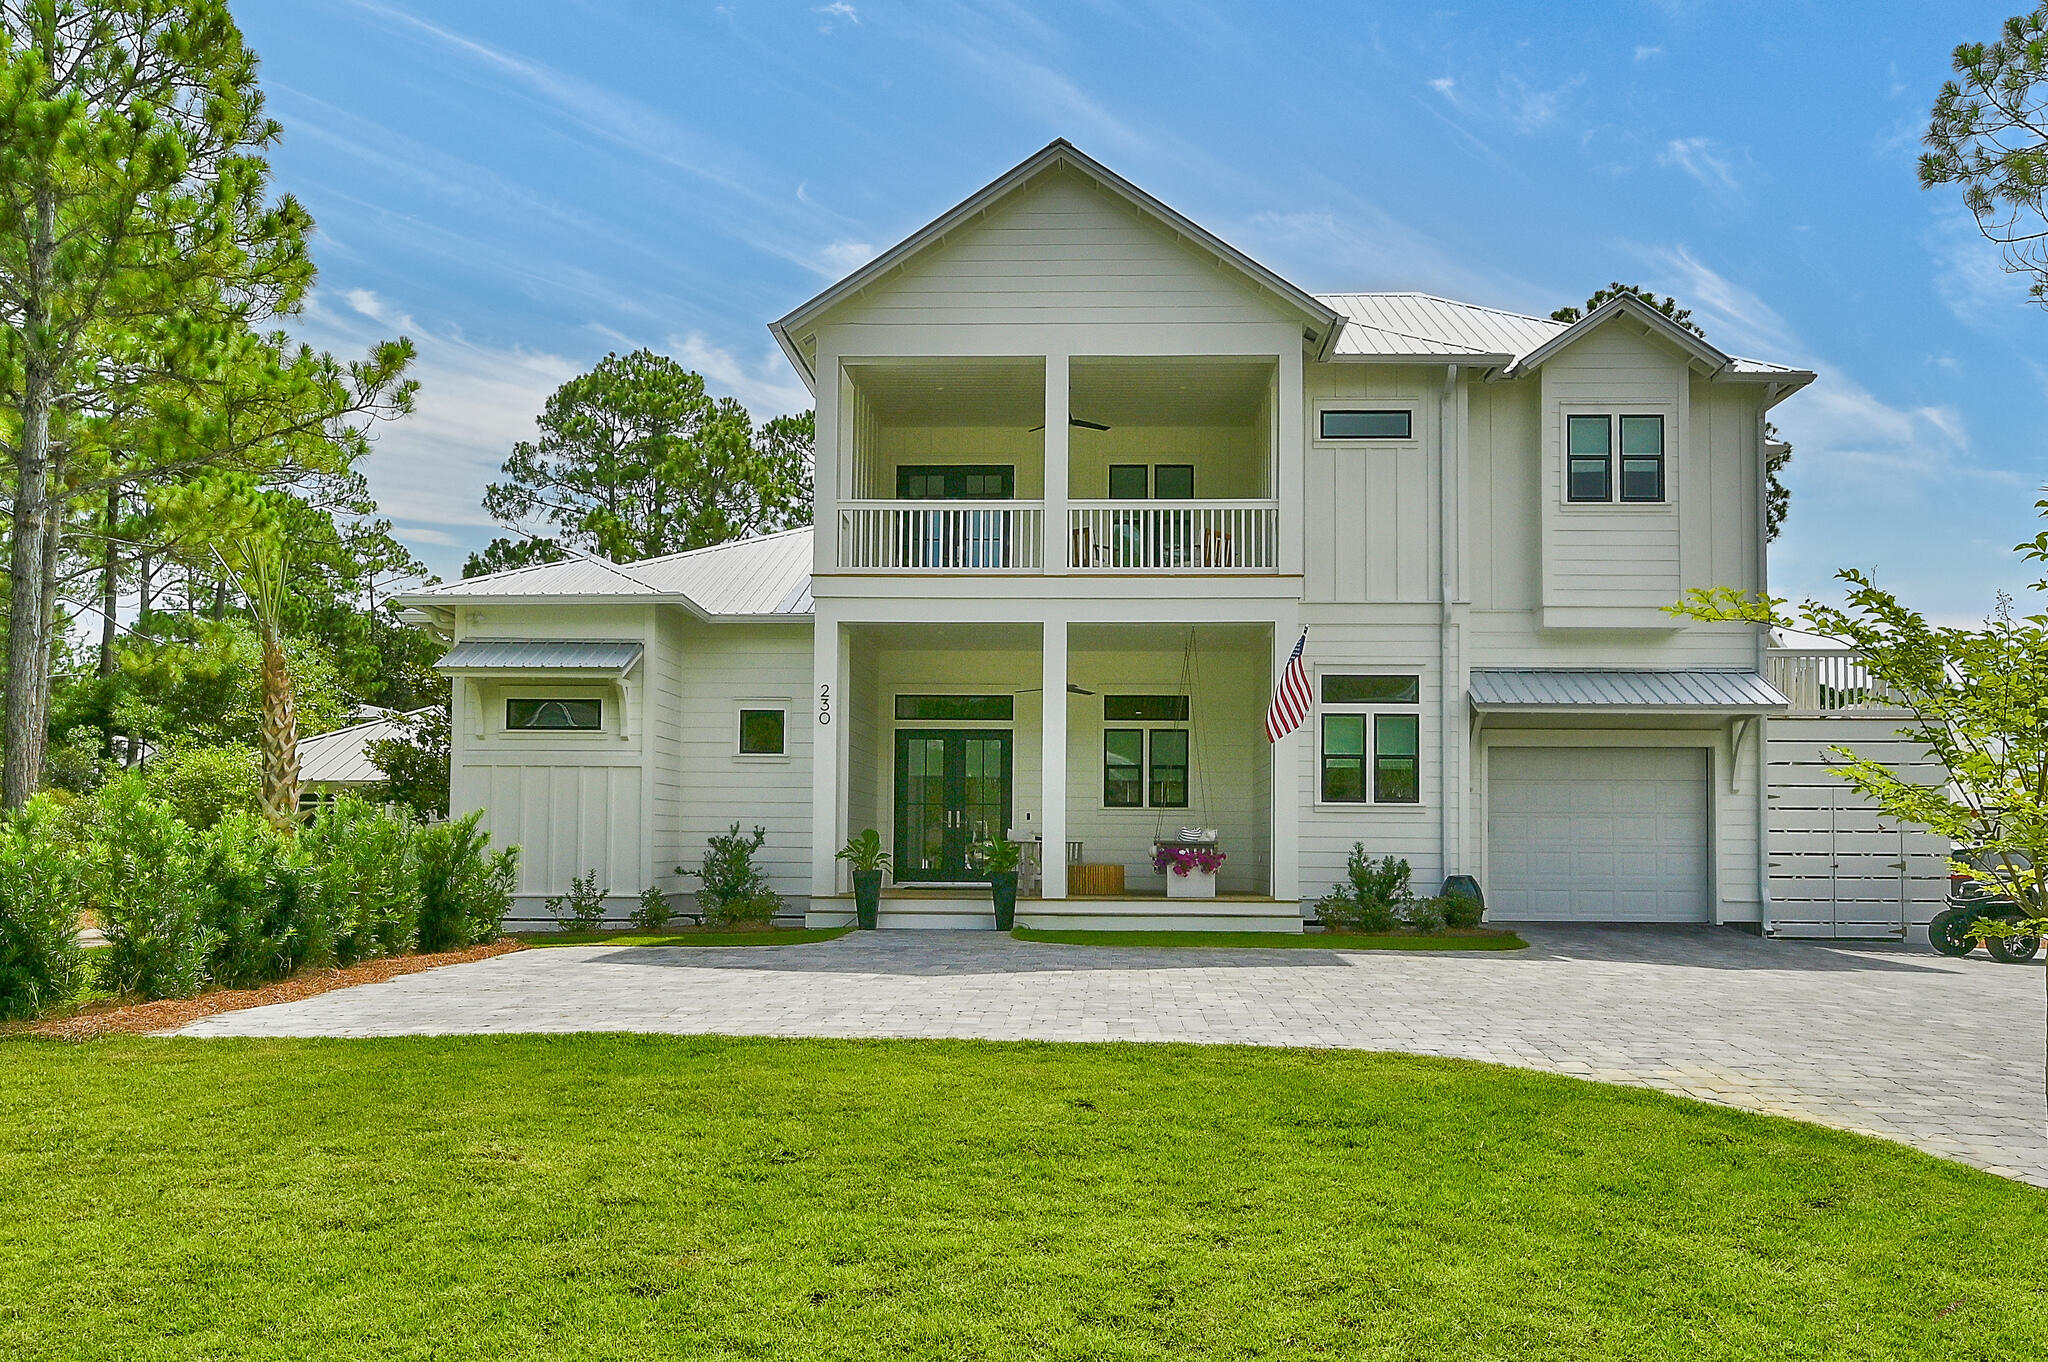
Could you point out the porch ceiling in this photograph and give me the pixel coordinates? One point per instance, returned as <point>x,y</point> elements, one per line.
<point>1169,390</point>
<point>954,392</point>
<point>1167,638</point>
<point>963,638</point>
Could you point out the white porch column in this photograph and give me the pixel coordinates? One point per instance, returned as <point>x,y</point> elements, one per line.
<point>1287,461</point>
<point>1285,781</point>
<point>1055,494</point>
<point>1052,760</point>
<point>833,443</point>
<point>828,700</point>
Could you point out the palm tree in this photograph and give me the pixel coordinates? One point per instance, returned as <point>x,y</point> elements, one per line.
<point>258,561</point>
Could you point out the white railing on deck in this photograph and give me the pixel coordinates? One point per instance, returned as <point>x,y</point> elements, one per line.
<point>1826,681</point>
<point>1173,536</point>
<point>942,536</point>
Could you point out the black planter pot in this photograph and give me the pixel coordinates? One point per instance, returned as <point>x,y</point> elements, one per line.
<point>867,898</point>
<point>1002,885</point>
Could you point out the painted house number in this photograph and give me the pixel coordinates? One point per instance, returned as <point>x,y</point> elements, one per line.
<point>825,704</point>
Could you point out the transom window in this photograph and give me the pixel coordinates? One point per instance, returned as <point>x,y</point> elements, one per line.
<point>1145,767</point>
<point>956,482</point>
<point>763,730</point>
<point>1590,457</point>
<point>554,715</point>
<point>956,708</point>
<point>1371,739</point>
<point>1391,423</point>
<point>1165,481</point>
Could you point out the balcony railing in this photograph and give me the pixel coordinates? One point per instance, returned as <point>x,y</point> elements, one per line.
<point>1827,681</point>
<point>942,536</point>
<point>1173,536</point>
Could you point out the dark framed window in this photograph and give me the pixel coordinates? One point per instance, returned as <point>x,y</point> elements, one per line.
<point>1396,752</point>
<point>1173,481</point>
<point>1123,768</point>
<point>1642,458</point>
<point>1589,460</point>
<point>1169,709</point>
<point>763,731</point>
<point>956,482</point>
<point>554,715</point>
<point>1382,424</point>
<point>1371,739</point>
<point>1168,768</point>
<point>1130,481</point>
<point>964,708</point>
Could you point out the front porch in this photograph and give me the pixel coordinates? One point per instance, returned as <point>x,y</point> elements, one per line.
<point>1087,742</point>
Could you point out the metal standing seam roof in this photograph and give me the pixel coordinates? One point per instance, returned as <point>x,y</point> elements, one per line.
<point>495,654</point>
<point>341,756</point>
<point>766,576</point>
<point>1703,689</point>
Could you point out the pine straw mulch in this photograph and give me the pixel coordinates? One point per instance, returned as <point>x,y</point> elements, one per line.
<point>116,1017</point>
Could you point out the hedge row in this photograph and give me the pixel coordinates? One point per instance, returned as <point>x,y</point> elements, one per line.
<point>232,905</point>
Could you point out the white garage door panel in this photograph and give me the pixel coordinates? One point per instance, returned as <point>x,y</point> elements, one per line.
<point>1599,834</point>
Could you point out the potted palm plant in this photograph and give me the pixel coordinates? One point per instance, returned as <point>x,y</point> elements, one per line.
<point>863,852</point>
<point>1000,859</point>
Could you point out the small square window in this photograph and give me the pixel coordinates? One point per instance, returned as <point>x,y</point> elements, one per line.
<point>762,732</point>
<point>1173,481</point>
<point>1129,481</point>
<point>554,715</point>
<point>1396,424</point>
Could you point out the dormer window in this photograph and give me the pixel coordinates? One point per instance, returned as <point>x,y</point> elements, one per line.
<point>1590,457</point>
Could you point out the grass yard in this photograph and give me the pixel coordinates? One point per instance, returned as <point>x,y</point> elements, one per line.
<point>686,936</point>
<point>1476,939</point>
<point>601,1196</point>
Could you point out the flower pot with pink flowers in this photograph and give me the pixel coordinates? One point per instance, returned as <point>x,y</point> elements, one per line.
<point>1190,870</point>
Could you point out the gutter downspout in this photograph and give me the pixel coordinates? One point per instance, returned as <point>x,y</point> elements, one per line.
<point>1449,490</point>
<point>1763,655</point>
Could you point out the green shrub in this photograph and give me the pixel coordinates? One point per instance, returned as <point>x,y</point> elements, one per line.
<point>654,912</point>
<point>41,963</point>
<point>465,891</point>
<point>1374,897</point>
<point>1428,916</point>
<point>149,875</point>
<point>204,784</point>
<point>1462,910</point>
<point>362,879</point>
<point>252,900</point>
<point>735,891</point>
<point>582,908</point>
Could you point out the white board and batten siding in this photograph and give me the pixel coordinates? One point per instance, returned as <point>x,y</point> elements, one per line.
<point>1838,867</point>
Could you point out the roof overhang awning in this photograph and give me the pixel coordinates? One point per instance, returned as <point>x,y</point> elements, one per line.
<point>1701,691</point>
<point>481,656</point>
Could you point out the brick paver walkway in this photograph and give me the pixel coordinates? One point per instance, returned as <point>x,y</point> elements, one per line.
<point>1943,1054</point>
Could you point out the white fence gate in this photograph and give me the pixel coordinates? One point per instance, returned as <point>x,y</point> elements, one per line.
<point>1839,868</point>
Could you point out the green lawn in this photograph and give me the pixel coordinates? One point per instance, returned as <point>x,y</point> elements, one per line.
<point>693,936</point>
<point>1483,940</point>
<point>598,1196</point>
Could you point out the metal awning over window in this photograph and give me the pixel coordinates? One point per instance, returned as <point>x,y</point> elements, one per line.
<point>605,659</point>
<point>1617,690</point>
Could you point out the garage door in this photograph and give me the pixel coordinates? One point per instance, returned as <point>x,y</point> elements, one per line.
<point>1597,834</point>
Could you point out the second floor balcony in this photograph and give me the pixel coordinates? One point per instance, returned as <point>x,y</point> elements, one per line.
<point>1169,468</point>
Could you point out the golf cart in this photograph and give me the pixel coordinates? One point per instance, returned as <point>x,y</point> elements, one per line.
<point>1971,900</point>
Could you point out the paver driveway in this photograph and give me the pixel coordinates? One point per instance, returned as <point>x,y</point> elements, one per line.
<point>1942,1054</point>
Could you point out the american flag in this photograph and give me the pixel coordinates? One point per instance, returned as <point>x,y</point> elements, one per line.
<point>1291,700</point>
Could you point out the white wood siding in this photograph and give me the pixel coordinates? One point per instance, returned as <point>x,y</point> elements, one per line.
<point>1370,518</point>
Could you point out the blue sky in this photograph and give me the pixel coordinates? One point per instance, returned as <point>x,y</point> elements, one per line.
<point>522,187</point>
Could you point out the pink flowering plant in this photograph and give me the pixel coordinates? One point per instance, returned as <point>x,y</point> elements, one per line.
<point>1185,860</point>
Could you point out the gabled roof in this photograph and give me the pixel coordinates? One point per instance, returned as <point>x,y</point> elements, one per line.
<point>766,577</point>
<point>341,756</point>
<point>1417,326</point>
<point>1318,316</point>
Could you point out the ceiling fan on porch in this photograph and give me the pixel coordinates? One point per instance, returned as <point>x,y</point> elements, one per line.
<point>1075,421</point>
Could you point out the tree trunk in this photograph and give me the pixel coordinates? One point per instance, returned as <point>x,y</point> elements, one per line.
<point>27,576</point>
<point>280,735</point>
<point>110,584</point>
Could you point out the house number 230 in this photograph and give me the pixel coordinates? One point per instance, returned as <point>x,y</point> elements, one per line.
<point>824,704</point>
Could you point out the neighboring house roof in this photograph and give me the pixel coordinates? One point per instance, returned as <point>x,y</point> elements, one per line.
<point>541,655</point>
<point>1317,313</point>
<point>1421,326</point>
<point>766,577</point>
<point>341,756</point>
<point>1700,689</point>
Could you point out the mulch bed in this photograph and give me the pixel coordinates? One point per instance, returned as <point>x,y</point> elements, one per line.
<point>115,1017</point>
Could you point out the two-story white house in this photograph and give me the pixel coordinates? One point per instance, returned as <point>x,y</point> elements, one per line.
<point>1085,474</point>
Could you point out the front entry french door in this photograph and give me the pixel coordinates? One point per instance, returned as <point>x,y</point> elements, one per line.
<point>952,790</point>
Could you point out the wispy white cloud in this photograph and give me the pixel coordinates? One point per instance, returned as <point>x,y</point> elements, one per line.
<point>837,11</point>
<point>1523,107</point>
<point>1697,157</point>
<point>1971,279</point>
<point>1357,245</point>
<point>767,387</point>
<point>841,258</point>
<point>1733,316</point>
<point>1644,53</point>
